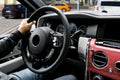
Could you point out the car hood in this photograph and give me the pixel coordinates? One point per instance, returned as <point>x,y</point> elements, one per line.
<point>32,5</point>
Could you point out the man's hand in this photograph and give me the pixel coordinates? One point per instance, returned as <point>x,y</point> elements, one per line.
<point>24,26</point>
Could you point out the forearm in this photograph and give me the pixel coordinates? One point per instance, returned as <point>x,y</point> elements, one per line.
<point>8,43</point>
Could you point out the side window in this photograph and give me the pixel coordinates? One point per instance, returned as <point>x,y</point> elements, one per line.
<point>19,6</point>
<point>54,4</point>
<point>110,3</point>
<point>49,0</point>
<point>95,2</point>
<point>58,5</point>
<point>62,5</point>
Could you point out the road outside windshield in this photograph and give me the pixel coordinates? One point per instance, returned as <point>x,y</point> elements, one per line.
<point>9,23</point>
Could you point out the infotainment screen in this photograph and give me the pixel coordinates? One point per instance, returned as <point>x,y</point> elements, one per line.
<point>111,32</point>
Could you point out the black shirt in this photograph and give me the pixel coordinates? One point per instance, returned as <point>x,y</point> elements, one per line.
<point>8,43</point>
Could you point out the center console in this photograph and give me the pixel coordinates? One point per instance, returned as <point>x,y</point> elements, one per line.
<point>104,53</point>
<point>103,61</point>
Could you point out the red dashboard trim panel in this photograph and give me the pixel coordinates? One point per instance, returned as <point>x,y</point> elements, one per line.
<point>113,56</point>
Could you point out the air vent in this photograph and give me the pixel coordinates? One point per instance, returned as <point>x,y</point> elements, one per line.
<point>99,59</point>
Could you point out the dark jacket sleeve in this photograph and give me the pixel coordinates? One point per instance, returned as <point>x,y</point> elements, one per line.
<point>8,43</point>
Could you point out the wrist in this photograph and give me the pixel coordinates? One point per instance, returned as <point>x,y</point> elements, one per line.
<point>20,33</point>
<point>21,30</point>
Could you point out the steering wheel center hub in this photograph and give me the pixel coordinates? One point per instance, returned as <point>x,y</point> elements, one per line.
<point>38,40</point>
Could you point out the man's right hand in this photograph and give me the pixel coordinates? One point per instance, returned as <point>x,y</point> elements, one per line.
<point>25,26</point>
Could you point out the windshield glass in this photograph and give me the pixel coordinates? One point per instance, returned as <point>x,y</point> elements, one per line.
<point>108,3</point>
<point>11,11</point>
<point>9,6</point>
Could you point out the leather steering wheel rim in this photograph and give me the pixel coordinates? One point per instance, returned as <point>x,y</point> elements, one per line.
<point>66,40</point>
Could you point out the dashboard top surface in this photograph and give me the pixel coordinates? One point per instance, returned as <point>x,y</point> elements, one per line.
<point>88,14</point>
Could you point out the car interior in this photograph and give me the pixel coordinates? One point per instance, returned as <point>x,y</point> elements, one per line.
<point>83,43</point>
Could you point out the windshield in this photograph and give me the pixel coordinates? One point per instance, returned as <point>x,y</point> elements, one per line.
<point>11,15</point>
<point>9,6</point>
<point>110,3</point>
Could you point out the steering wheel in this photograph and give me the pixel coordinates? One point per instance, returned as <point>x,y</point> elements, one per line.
<point>44,49</point>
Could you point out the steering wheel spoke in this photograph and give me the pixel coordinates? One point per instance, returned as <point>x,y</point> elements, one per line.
<point>57,39</point>
<point>37,65</point>
<point>56,34</point>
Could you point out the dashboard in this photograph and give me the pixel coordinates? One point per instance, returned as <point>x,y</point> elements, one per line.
<point>59,27</point>
<point>96,38</point>
<point>95,42</point>
<point>77,25</point>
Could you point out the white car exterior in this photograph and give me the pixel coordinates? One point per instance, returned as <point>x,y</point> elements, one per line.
<point>108,6</point>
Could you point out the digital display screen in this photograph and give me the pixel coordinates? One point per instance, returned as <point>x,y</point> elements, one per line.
<point>112,32</point>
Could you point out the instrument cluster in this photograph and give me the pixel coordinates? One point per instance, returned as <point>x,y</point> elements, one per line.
<point>59,27</point>
<point>73,28</point>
